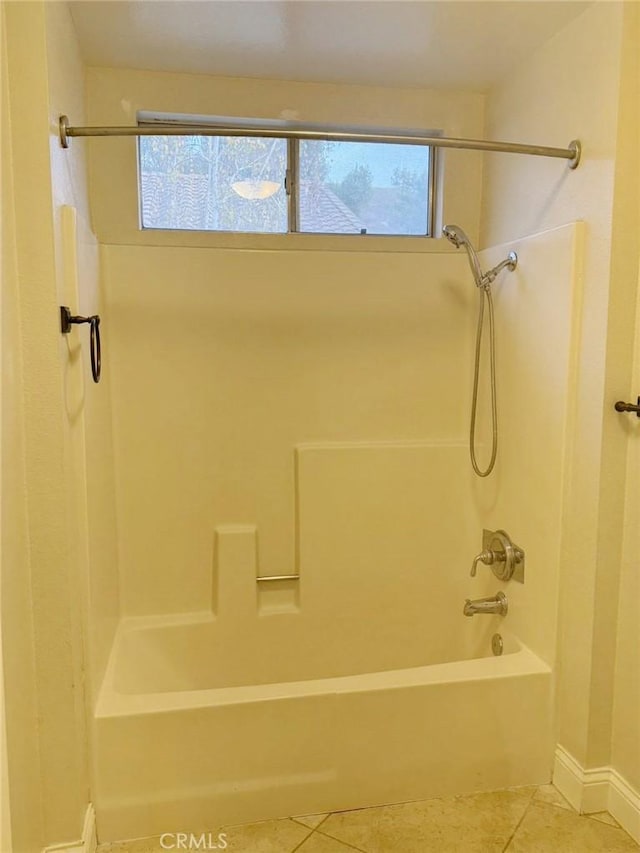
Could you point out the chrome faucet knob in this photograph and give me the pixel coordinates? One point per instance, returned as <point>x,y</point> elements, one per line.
<point>503,555</point>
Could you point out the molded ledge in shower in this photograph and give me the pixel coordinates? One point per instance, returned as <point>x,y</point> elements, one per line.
<point>237,594</point>
<point>235,566</point>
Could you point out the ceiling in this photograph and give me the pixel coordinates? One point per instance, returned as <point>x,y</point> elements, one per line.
<point>462,44</point>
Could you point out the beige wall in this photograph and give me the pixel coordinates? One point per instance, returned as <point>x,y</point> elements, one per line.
<point>7,274</point>
<point>23,759</point>
<point>625,750</point>
<point>574,86</point>
<point>115,96</point>
<point>87,406</point>
<point>5,802</point>
<point>626,700</point>
<point>52,597</point>
<point>50,530</point>
<point>534,375</point>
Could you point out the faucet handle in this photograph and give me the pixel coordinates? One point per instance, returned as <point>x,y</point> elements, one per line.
<point>487,557</point>
<point>505,557</point>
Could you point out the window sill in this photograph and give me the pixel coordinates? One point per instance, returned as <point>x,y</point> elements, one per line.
<point>280,242</point>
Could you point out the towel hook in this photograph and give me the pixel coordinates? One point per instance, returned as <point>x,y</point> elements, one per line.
<point>67,319</point>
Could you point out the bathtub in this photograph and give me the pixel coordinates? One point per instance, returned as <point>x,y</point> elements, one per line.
<point>178,745</point>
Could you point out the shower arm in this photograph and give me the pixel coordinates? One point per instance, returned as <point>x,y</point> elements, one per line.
<point>509,262</point>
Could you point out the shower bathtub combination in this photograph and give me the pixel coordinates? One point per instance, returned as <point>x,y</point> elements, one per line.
<point>353,678</point>
<point>349,677</point>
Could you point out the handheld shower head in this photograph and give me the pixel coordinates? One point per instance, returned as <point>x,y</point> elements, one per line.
<point>457,236</point>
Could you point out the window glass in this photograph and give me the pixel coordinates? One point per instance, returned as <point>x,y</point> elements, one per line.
<point>237,184</point>
<point>213,183</point>
<point>363,188</point>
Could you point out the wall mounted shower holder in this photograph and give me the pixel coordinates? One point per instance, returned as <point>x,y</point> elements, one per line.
<point>502,554</point>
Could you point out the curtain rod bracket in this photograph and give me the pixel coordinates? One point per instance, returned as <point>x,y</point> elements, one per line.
<point>576,147</point>
<point>63,124</point>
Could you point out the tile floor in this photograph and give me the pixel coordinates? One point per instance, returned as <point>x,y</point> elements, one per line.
<point>518,820</point>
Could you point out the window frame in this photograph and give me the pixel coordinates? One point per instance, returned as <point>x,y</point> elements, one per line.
<point>291,180</point>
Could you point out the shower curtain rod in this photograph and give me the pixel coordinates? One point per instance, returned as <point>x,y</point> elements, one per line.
<point>571,153</point>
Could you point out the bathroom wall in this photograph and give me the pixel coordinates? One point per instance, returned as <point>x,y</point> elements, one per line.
<point>626,700</point>
<point>572,87</point>
<point>87,406</point>
<point>49,534</point>
<point>116,95</point>
<point>23,795</point>
<point>534,378</point>
<point>625,747</point>
<point>43,590</point>
<point>5,802</point>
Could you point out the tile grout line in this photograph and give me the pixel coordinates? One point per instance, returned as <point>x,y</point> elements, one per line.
<point>313,828</point>
<point>517,826</point>
<point>316,829</point>
<point>339,840</point>
<point>305,839</point>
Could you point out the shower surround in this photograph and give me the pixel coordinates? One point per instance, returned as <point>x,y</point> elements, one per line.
<point>305,414</point>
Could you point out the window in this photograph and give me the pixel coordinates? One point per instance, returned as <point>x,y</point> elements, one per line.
<point>277,185</point>
<point>363,188</point>
<point>213,183</point>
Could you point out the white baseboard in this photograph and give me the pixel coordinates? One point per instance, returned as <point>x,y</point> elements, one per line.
<point>89,841</point>
<point>586,790</point>
<point>597,790</point>
<point>624,805</point>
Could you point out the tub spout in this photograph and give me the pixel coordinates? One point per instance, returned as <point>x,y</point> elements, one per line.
<point>495,604</point>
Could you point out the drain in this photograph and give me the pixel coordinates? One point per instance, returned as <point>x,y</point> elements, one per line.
<point>497,646</point>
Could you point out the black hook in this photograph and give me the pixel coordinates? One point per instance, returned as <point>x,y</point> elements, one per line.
<point>67,319</point>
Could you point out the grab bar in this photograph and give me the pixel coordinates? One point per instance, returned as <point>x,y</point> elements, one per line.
<point>265,578</point>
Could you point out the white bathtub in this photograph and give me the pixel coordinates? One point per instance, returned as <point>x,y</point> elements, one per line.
<point>175,749</point>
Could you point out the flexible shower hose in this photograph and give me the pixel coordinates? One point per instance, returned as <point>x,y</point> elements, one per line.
<point>484,291</point>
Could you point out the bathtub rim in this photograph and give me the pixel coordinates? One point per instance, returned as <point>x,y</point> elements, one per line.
<point>112,703</point>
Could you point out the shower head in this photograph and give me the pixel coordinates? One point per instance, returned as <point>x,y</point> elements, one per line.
<point>457,236</point>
